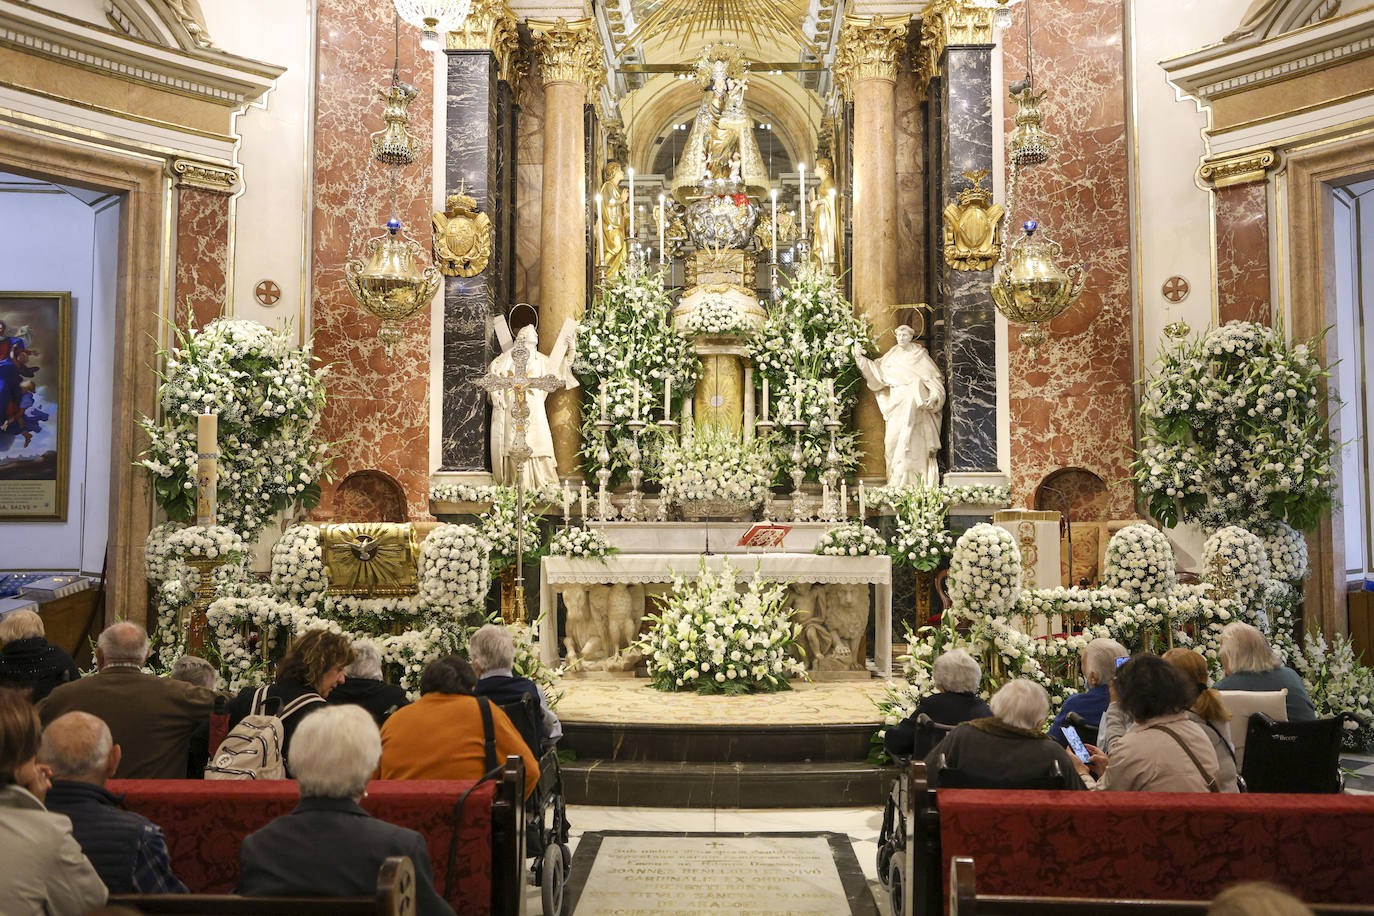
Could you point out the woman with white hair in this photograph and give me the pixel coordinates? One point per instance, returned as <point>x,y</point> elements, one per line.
<point>29,663</point>
<point>492,652</point>
<point>1099,667</point>
<point>363,685</point>
<point>1250,664</point>
<point>330,846</point>
<point>956,675</point>
<point>1008,750</point>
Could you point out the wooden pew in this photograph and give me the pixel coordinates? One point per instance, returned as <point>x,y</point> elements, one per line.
<point>967,902</point>
<point>395,897</point>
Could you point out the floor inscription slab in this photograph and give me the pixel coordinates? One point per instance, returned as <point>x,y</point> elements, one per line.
<point>722,875</point>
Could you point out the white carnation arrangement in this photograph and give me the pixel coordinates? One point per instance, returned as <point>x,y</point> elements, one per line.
<point>985,572</point>
<point>1239,555</point>
<point>577,542</point>
<point>1140,561</point>
<point>455,569</point>
<point>711,639</point>
<point>714,465</point>
<point>268,394</point>
<point>853,540</point>
<point>211,542</point>
<point>716,314</point>
<point>160,564</point>
<point>1286,548</point>
<point>298,565</point>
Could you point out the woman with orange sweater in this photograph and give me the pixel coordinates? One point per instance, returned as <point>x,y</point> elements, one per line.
<point>440,735</point>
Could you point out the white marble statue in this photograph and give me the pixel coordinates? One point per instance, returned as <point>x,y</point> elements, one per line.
<point>911,394</point>
<point>583,636</point>
<point>844,612</point>
<point>601,626</point>
<point>540,469</point>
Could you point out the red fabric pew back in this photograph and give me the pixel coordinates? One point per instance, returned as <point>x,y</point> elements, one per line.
<point>1160,845</point>
<point>206,821</point>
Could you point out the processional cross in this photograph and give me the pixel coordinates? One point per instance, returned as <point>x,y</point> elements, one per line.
<point>519,383</point>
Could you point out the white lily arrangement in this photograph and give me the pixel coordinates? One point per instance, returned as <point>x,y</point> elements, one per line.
<point>268,395</point>
<point>985,572</point>
<point>921,538</point>
<point>580,543</point>
<point>853,540</point>
<point>1336,683</point>
<point>715,465</point>
<point>711,639</point>
<point>528,662</point>
<point>498,527</point>
<point>716,314</point>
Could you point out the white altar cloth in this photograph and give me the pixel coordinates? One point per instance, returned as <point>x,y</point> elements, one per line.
<point>649,568</point>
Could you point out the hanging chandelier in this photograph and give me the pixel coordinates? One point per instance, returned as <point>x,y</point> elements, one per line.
<point>433,17</point>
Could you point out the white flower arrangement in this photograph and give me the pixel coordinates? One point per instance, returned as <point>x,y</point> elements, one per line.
<point>546,495</point>
<point>711,639</point>
<point>581,543</point>
<point>298,565</point>
<point>1140,561</point>
<point>978,495</point>
<point>455,569</point>
<point>213,542</point>
<point>529,664</point>
<point>1233,431</point>
<point>405,655</point>
<point>716,314</point>
<point>1287,551</point>
<point>499,529</point>
<point>1336,683</point>
<point>854,540</point>
<point>1238,555</point>
<point>985,572</point>
<point>716,466</point>
<point>268,395</point>
<point>159,563</point>
<point>922,539</point>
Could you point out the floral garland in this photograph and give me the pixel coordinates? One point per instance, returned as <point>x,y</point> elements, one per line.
<point>711,639</point>
<point>806,352</point>
<point>716,314</point>
<point>268,396</point>
<point>714,464</point>
<point>985,571</point>
<point>580,543</point>
<point>1233,432</point>
<point>1140,561</point>
<point>854,540</point>
<point>546,495</point>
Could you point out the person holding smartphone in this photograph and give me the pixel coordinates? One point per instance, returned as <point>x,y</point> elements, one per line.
<point>1099,666</point>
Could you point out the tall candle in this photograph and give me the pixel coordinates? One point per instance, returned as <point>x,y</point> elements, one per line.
<point>801,182</point>
<point>863,503</point>
<point>586,497</point>
<point>662,222</point>
<point>765,397</point>
<point>635,409</point>
<point>844,499</point>
<point>799,413</point>
<point>207,468</point>
<point>830,404</point>
<point>631,174</point>
<point>667,397</point>
<point>773,194</point>
<point>603,401</point>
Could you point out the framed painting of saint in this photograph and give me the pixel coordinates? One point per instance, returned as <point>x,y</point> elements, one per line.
<point>35,405</point>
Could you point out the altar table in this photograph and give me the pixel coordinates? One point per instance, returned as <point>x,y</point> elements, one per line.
<point>649,568</point>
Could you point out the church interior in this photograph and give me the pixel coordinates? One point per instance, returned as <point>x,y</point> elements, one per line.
<point>855,436</point>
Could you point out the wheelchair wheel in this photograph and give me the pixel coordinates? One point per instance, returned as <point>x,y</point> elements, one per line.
<point>896,887</point>
<point>553,887</point>
<point>567,858</point>
<point>885,864</point>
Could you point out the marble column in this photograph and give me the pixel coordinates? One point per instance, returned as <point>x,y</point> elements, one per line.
<point>866,65</point>
<point>571,63</point>
<point>478,118</point>
<point>957,51</point>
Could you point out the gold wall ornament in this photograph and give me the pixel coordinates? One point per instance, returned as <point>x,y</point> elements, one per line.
<point>1029,144</point>
<point>568,52</point>
<point>390,283</point>
<point>491,26</point>
<point>205,176</point>
<point>462,236</point>
<point>950,22</point>
<point>973,227</point>
<point>1236,169</point>
<point>868,49</point>
<point>761,22</point>
<point>614,215</point>
<point>1031,289</point>
<point>393,145</point>
<point>371,559</point>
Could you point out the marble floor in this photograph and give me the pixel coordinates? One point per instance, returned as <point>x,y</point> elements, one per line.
<point>629,700</point>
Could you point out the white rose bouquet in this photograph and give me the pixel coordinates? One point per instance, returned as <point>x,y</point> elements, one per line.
<point>582,543</point>
<point>853,540</point>
<point>298,565</point>
<point>455,569</point>
<point>716,314</point>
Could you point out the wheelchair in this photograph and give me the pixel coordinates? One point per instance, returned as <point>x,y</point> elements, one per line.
<point>1296,757</point>
<point>546,818</point>
<point>892,837</point>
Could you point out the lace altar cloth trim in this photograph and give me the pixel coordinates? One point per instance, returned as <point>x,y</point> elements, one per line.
<point>659,568</point>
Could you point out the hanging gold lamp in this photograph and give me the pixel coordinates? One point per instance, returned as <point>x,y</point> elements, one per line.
<point>1031,289</point>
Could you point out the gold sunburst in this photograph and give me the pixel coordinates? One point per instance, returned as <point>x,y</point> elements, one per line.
<point>702,18</point>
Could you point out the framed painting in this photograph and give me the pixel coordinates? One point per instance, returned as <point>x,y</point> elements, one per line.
<point>35,405</point>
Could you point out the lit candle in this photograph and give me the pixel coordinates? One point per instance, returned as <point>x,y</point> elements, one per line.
<point>667,397</point>
<point>844,499</point>
<point>773,194</point>
<point>586,497</point>
<point>603,401</point>
<point>207,468</point>
<point>765,392</point>
<point>662,222</point>
<point>799,394</point>
<point>830,405</point>
<point>863,502</point>
<point>801,183</point>
<point>630,173</point>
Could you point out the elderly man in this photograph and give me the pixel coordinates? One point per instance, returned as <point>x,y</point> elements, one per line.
<point>128,851</point>
<point>1099,667</point>
<point>956,675</point>
<point>330,846</point>
<point>493,655</point>
<point>152,718</point>
<point>363,685</point>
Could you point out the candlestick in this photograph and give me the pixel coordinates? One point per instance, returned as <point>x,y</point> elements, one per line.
<point>207,468</point>
<point>630,173</point>
<point>667,397</point>
<point>844,500</point>
<point>799,399</point>
<point>765,399</point>
<point>662,222</point>
<point>586,498</point>
<point>801,182</point>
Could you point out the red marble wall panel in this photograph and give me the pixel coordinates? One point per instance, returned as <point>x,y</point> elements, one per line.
<point>1071,406</point>
<point>202,256</point>
<point>377,413</point>
<point>1242,215</point>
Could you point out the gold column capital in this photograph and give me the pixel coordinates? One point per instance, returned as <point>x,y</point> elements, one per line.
<point>1237,168</point>
<point>491,26</point>
<point>868,48</point>
<point>204,176</point>
<point>945,23</point>
<point>568,51</point>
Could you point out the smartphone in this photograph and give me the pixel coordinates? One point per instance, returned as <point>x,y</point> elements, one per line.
<point>1122,660</point>
<point>1076,743</point>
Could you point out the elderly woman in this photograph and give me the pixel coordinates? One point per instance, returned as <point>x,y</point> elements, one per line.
<point>329,846</point>
<point>1099,667</point>
<point>442,735</point>
<point>956,675</point>
<point>1165,750</point>
<point>45,870</point>
<point>198,672</point>
<point>1250,664</point>
<point>29,662</point>
<point>493,658</point>
<point>363,685</point>
<point>312,667</point>
<point>1008,750</point>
